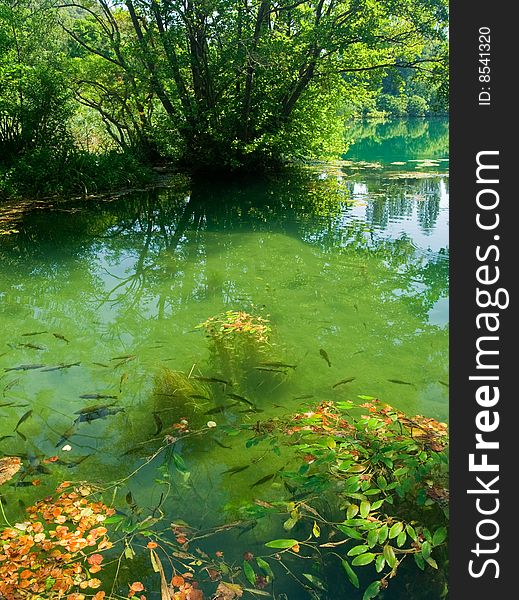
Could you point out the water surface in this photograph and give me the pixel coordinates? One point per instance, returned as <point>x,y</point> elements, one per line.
<point>350,257</point>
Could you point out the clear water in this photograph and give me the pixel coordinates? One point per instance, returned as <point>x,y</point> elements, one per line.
<point>350,257</point>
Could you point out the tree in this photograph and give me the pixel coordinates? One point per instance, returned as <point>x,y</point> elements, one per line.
<point>243,82</point>
<point>34,95</point>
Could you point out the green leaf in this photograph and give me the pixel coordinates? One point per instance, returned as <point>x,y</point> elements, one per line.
<point>365,507</point>
<point>377,504</point>
<point>395,530</point>
<point>372,591</point>
<point>381,482</point>
<point>400,540</point>
<point>372,537</point>
<point>350,532</point>
<point>281,543</point>
<point>389,555</point>
<point>379,563</point>
<point>290,523</point>
<point>426,550</point>
<point>419,561</point>
<point>249,572</point>
<point>358,550</point>
<point>179,462</point>
<point>352,576</point>
<point>411,532</point>
<point>363,559</point>
<point>114,519</point>
<point>372,492</point>
<point>382,534</point>
<point>315,581</point>
<point>430,561</point>
<point>353,509</point>
<point>265,567</point>
<point>440,535</point>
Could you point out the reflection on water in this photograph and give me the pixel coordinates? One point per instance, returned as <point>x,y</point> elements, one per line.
<point>350,257</point>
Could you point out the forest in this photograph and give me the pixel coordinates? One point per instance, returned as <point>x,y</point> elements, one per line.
<point>94,93</point>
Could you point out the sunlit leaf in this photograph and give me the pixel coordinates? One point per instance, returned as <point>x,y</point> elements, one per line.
<point>352,576</point>
<point>281,543</point>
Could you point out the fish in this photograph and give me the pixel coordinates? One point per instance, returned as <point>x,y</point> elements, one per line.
<point>158,423</point>
<point>219,409</point>
<point>5,437</point>
<point>66,436</point>
<point>211,380</point>
<point>93,408</point>
<point>100,413</point>
<point>23,418</point>
<point>270,370</point>
<point>25,367</point>
<point>240,399</point>
<point>125,357</point>
<point>13,405</point>
<point>263,480</point>
<point>61,366</point>
<point>278,364</point>
<point>217,442</point>
<point>234,470</point>
<point>100,364</point>
<point>251,410</point>
<point>247,528</point>
<point>75,463</point>
<point>306,397</point>
<point>343,381</point>
<point>32,346</point>
<point>324,355</point>
<point>98,397</point>
<point>34,333</point>
<point>124,379</point>
<point>400,382</point>
<point>124,361</point>
<point>11,384</point>
<point>59,336</point>
<point>443,383</point>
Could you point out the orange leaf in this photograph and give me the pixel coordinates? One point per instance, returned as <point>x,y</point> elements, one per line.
<point>137,586</point>
<point>151,545</point>
<point>177,581</point>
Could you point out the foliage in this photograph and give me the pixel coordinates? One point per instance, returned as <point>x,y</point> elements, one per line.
<point>239,84</point>
<point>369,489</point>
<point>34,93</point>
<point>234,325</point>
<point>57,550</point>
<point>44,171</point>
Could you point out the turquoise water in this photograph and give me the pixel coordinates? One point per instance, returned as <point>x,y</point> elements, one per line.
<point>349,257</point>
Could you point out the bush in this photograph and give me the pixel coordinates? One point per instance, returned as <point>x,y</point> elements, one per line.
<point>45,171</point>
<point>417,106</point>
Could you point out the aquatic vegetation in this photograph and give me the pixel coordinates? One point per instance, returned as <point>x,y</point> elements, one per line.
<point>368,489</point>
<point>233,325</point>
<point>363,492</point>
<point>239,342</point>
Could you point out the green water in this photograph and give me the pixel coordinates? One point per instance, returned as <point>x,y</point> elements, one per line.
<point>350,257</point>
